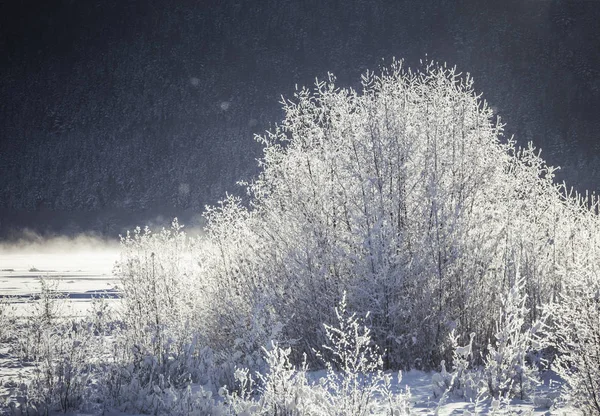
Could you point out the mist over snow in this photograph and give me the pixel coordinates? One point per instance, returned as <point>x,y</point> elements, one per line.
<point>84,252</point>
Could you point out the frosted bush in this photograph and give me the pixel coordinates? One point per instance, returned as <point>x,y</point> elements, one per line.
<point>405,195</point>
<point>31,331</point>
<point>576,337</point>
<point>7,319</point>
<point>465,380</point>
<point>508,368</point>
<point>354,384</point>
<point>61,370</point>
<point>155,273</point>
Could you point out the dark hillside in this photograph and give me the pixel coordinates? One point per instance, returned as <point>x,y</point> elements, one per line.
<point>113,113</point>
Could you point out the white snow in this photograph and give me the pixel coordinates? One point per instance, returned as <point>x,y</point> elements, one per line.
<point>81,272</point>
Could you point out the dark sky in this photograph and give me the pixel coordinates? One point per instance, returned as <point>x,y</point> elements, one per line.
<point>114,113</point>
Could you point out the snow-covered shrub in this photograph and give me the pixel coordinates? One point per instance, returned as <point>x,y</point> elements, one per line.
<point>143,388</point>
<point>441,382</point>
<point>179,323</point>
<point>508,370</point>
<point>61,369</point>
<point>354,383</point>
<point>354,365</point>
<point>61,354</point>
<point>7,319</point>
<point>282,390</point>
<point>404,195</point>
<point>131,378</point>
<point>159,315</point>
<point>465,380</point>
<point>157,290</point>
<point>189,401</point>
<point>62,375</point>
<point>32,333</point>
<point>101,316</point>
<point>576,336</point>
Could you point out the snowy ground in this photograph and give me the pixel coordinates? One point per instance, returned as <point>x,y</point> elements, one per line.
<point>84,272</point>
<point>424,403</point>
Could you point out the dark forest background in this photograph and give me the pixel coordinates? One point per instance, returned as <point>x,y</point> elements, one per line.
<point>118,113</point>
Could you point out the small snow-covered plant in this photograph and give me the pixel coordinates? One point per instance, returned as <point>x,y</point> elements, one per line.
<point>394,403</point>
<point>508,371</point>
<point>50,303</point>
<point>164,399</point>
<point>56,349</point>
<point>354,383</point>
<point>577,341</point>
<point>463,381</point>
<point>354,369</point>
<point>462,355</point>
<point>135,380</point>
<point>68,369</point>
<point>199,401</point>
<point>154,274</point>
<point>354,365</point>
<point>7,319</point>
<point>161,332</point>
<point>62,369</point>
<point>283,390</point>
<point>123,388</point>
<point>247,348</point>
<point>442,382</point>
<point>284,387</point>
<point>33,331</point>
<point>100,315</point>
<point>241,401</point>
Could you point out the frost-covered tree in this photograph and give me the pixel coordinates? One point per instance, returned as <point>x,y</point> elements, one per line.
<point>406,196</point>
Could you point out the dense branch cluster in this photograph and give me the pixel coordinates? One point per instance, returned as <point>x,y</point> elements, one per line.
<point>406,197</point>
